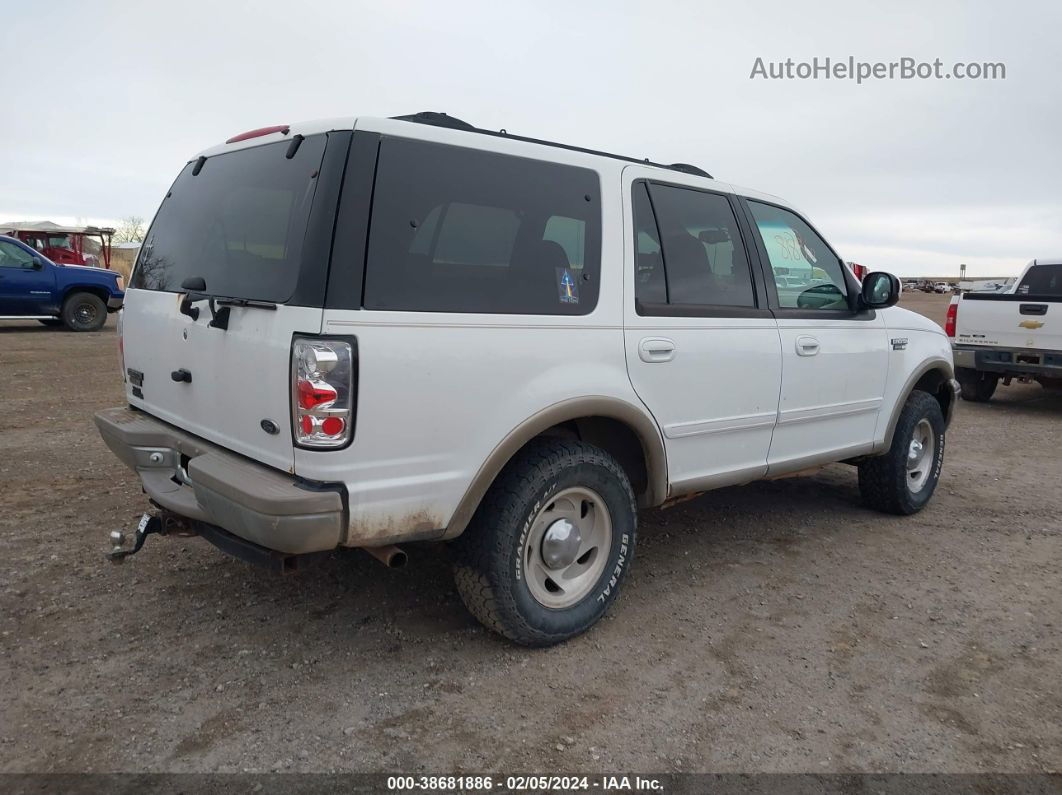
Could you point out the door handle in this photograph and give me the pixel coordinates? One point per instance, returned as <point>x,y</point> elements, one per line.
<point>807,346</point>
<point>656,349</point>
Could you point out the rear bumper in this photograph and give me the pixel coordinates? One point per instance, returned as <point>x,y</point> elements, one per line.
<point>1009,361</point>
<point>114,303</point>
<point>249,500</point>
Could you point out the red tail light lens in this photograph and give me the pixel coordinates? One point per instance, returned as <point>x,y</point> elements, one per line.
<point>315,394</point>
<point>323,392</point>
<point>949,321</point>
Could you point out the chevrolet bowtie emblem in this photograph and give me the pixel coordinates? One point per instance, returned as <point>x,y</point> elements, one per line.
<point>1031,324</point>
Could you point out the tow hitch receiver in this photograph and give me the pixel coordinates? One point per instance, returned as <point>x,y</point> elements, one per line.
<point>148,524</point>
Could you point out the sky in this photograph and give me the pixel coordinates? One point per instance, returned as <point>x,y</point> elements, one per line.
<point>106,101</point>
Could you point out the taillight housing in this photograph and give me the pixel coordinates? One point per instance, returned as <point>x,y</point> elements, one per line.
<point>121,344</point>
<point>950,320</point>
<point>323,391</point>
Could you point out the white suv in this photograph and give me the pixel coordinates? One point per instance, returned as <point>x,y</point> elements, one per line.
<point>365,332</point>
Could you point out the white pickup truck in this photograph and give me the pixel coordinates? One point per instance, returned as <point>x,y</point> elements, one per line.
<point>1008,335</point>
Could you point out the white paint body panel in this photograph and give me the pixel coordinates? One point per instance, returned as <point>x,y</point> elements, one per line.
<point>830,399</point>
<point>926,343</point>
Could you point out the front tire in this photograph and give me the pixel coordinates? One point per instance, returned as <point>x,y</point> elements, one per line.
<point>547,549</point>
<point>84,312</point>
<point>977,387</point>
<point>902,480</point>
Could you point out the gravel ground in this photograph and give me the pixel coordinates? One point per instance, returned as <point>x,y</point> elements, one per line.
<point>776,627</point>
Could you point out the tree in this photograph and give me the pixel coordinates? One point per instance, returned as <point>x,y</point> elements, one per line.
<point>130,230</point>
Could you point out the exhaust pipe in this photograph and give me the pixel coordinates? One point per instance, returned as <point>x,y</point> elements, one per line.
<point>390,556</point>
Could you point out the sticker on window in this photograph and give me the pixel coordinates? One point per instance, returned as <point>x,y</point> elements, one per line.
<point>569,290</point>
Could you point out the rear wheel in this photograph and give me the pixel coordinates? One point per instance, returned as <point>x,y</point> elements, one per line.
<point>546,551</point>
<point>977,387</point>
<point>902,480</point>
<point>84,312</point>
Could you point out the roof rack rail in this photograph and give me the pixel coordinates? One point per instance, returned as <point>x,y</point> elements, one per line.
<point>436,119</point>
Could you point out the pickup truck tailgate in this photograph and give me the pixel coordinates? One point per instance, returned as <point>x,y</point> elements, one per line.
<point>1008,320</point>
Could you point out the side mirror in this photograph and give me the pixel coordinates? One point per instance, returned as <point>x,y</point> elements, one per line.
<point>879,290</point>
<point>38,264</point>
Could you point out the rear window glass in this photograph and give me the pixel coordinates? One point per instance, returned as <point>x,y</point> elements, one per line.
<point>460,230</point>
<point>703,255</point>
<point>1042,280</point>
<point>238,224</point>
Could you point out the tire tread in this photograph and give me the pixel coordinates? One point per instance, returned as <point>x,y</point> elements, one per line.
<point>882,479</point>
<point>480,551</point>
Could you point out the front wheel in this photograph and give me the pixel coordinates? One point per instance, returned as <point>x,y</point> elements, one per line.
<point>902,480</point>
<point>977,387</point>
<point>549,546</point>
<point>84,312</point>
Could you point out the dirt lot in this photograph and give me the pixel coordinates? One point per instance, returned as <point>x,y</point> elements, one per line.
<point>775,627</point>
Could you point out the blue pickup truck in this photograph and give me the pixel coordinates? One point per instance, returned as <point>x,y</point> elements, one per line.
<point>34,287</point>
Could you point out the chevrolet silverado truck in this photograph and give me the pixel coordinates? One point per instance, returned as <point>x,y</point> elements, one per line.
<point>1016,334</point>
<point>32,287</point>
<point>371,332</point>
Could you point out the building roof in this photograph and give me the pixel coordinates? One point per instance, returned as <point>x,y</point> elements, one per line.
<point>47,226</point>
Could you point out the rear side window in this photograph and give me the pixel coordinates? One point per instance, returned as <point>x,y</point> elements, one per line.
<point>461,230</point>
<point>239,224</point>
<point>1042,280</point>
<point>688,250</point>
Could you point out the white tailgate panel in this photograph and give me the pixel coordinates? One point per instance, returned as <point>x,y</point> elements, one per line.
<point>240,376</point>
<point>1001,324</point>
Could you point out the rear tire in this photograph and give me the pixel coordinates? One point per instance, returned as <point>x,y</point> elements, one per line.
<point>84,312</point>
<point>547,549</point>
<point>977,387</point>
<point>902,480</point>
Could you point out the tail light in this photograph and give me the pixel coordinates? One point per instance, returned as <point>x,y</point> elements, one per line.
<point>323,392</point>
<point>949,321</point>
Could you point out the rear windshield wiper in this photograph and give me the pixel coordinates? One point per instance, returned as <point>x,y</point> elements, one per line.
<point>249,302</point>
<point>220,307</point>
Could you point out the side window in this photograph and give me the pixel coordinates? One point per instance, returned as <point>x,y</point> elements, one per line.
<point>688,249</point>
<point>650,281</point>
<point>12,256</point>
<point>807,275</point>
<point>461,230</point>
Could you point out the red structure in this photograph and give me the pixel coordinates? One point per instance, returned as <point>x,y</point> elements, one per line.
<point>64,245</point>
